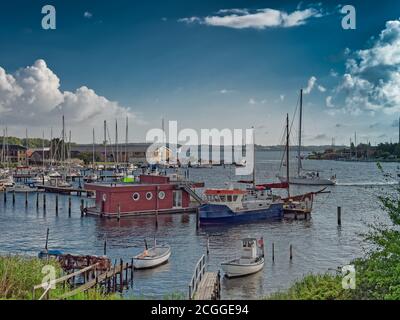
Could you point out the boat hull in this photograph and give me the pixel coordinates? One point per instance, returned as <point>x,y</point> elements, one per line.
<point>222,214</point>
<point>235,270</point>
<point>150,262</point>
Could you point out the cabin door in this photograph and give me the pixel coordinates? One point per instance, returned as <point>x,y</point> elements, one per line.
<point>177,199</point>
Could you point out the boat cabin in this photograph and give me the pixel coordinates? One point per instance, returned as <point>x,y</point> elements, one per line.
<point>249,248</point>
<point>230,197</point>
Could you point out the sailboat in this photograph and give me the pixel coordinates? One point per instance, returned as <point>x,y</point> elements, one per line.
<point>306,177</point>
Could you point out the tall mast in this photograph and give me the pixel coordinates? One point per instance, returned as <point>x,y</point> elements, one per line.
<point>287,153</point>
<point>126,142</point>
<point>26,146</point>
<point>116,140</point>
<point>43,151</point>
<point>254,160</point>
<point>63,142</point>
<point>51,146</point>
<point>300,129</point>
<point>93,151</point>
<point>105,142</point>
<point>69,153</point>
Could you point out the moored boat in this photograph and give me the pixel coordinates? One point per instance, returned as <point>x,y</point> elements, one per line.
<point>153,257</point>
<point>238,206</point>
<point>251,260</point>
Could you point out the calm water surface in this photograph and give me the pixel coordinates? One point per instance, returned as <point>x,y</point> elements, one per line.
<point>318,244</point>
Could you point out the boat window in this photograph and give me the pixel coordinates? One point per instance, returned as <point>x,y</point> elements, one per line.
<point>229,198</point>
<point>161,195</point>
<point>223,198</point>
<point>136,196</point>
<point>149,195</point>
<point>235,198</point>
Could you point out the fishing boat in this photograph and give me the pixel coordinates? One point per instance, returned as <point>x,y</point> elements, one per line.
<point>251,260</point>
<point>238,206</point>
<point>153,257</point>
<point>305,177</point>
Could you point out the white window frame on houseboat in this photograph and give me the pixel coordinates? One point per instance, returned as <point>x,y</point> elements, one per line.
<point>161,195</point>
<point>134,195</point>
<point>149,195</point>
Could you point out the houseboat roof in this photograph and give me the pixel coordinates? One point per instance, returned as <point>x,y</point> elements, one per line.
<point>224,192</point>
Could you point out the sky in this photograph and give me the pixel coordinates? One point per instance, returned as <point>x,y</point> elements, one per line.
<point>206,64</point>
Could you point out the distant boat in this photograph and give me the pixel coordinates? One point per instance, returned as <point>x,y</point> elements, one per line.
<point>251,260</point>
<point>19,188</point>
<point>153,257</point>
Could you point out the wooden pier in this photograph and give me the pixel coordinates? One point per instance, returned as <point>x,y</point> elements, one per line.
<point>204,285</point>
<point>65,190</point>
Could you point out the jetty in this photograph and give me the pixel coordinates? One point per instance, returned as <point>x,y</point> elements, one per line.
<point>204,285</point>
<point>65,190</point>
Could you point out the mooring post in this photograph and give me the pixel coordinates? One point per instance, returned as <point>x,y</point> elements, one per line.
<point>208,245</point>
<point>82,208</point>
<point>26,199</point>
<point>291,252</point>
<point>47,238</point>
<point>339,216</point>
<point>132,268</point>
<point>37,200</point>
<point>57,204</point>
<point>13,197</point>
<point>121,275</point>
<point>44,200</point>
<point>126,272</point>
<point>273,252</point>
<point>69,205</point>
<point>5,196</point>
<point>197,219</point>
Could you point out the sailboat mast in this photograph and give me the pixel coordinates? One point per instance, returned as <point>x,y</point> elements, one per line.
<point>43,151</point>
<point>287,150</point>
<point>105,142</point>
<point>93,150</point>
<point>116,141</point>
<point>300,129</point>
<point>63,143</point>
<point>126,143</point>
<point>254,160</point>
<point>26,146</point>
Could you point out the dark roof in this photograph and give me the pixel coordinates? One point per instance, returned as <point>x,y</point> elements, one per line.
<point>14,147</point>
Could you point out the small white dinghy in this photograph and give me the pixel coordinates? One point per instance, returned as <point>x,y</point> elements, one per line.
<point>153,257</point>
<point>251,260</point>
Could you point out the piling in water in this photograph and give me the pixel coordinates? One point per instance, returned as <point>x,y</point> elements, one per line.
<point>69,205</point>
<point>291,252</point>
<point>339,216</point>
<point>56,203</point>
<point>44,200</point>
<point>273,252</point>
<point>26,199</point>
<point>13,198</point>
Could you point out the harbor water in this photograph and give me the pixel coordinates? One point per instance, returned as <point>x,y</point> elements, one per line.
<point>319,245</point>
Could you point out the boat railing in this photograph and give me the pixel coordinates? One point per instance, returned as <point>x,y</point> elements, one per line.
<point>198,274</point>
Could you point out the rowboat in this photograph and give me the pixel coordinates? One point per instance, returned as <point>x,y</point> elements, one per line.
<point>251,260</point>
<point>153,257</point>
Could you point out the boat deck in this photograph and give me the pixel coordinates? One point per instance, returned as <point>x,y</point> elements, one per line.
<point>209,287</point>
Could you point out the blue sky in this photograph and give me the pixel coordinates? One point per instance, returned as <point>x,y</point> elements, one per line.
<point>191,62</point>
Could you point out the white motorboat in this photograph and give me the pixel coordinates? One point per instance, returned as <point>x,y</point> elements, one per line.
<point>310,178</point>
<point>7,181</point>
<point>250,262</point>
<point>40,179</point>
<point>153,257</point>
<point>21,188</point>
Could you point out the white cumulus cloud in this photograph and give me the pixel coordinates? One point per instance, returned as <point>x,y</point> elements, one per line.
<point>32,97</point>
<point>257,19</point>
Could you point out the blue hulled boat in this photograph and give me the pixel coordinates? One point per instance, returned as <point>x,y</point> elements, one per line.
<point>238,206</point>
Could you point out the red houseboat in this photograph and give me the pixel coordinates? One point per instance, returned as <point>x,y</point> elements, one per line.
<point>152,194</point>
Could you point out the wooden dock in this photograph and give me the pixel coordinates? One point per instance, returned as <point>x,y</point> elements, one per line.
<point>204,285</point>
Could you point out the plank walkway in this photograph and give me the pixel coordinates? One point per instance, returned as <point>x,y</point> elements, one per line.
<point>208,288</point>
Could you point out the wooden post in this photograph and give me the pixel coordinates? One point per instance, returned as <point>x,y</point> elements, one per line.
<point>197,219</point>
<point>119,211</point>
<point>44,200</point>
<point>132,268</point>
<point>13,197</point>
<point>208,245</point>
<point>339,216</point>
<point>126,272</point>
<point>273,252</point>
<point>291,252</point>
<point>5,196</point>
<point>121,275</point>
<point>26,199</point>
<point>69,205</point>
<point>37,200</point>
<point>105,247</point>
<point>57,204</point>
<point>82,208</point>
<point>47,239</point>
